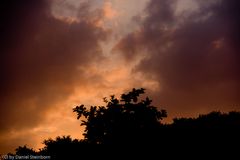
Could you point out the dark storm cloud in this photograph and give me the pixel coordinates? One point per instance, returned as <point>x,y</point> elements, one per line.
<point>194,57</point>
<point>42,58</point>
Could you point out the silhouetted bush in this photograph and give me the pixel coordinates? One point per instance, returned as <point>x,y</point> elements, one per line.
<point>122,121</point>
<point>130,122</point>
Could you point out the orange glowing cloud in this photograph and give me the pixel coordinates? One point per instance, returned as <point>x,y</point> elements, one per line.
<point>109,11</point>
<point>52,62</point>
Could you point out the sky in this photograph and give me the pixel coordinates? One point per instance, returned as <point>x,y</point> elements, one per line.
<point>56,54</point>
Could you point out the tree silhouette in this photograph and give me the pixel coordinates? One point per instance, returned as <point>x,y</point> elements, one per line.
<point>132,120</point>
<point>25,151</point>
<point>122,121</point>
<point>209,130</point>
<point>212,121</point>
<point>61,147</point>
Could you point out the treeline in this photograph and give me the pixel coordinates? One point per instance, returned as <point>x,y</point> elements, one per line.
<point>129,122</point>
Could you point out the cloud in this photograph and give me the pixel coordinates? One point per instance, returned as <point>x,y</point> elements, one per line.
<point>43,58</point>
<point>51,60</point>
<point>109,12</point>
<point>193,55</point>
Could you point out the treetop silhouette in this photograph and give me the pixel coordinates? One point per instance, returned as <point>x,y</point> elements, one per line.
<point>130,121</point>
<point>125,120</point>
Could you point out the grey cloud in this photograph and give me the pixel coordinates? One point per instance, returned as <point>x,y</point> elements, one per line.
<point>42,60</point>
<point>195,61</point>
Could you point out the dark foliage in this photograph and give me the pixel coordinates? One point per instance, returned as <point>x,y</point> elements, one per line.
<point>25,151</point>
<point>129,123</point>
<point>121,121</point>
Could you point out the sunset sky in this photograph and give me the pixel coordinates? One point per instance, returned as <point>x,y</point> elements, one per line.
<point>56,54</point>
